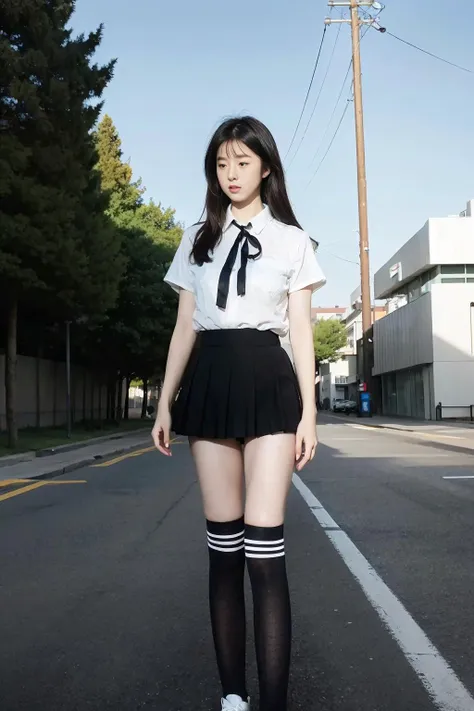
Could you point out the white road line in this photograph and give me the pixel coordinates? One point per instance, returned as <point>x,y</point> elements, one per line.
<point>444,687</point>
<point>348,439</point>
<point>393,455</point>
<point>389,430</point>
<point>458,477</point>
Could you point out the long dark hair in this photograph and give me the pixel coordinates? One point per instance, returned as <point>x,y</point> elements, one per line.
<point>256,136</point>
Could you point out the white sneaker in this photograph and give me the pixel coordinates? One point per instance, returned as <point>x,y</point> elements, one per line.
<point>235,703</point>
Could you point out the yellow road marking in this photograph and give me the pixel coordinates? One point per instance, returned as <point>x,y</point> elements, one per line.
<point>30,487</point>
<point>10,482</point>
<point>136,453</point>
<point>53,482</point>
<point>18,482</point>
<point>23,490</point>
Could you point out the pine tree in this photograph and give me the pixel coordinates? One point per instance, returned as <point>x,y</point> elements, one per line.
<point>55,241</point>
<point>124,195</point>
<point>135,338</point>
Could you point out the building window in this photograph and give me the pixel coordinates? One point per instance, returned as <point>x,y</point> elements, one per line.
<point>414,289</point>
<point>426,280</point>
<point>453,269</point>
<point>456,273</point>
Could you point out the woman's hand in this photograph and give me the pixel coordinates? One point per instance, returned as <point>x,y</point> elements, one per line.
<point>161,430</point>
<point>306,441</point>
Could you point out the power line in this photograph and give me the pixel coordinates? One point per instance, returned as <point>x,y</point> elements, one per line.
<point>321,142</point>
<point>425,51</point>
<point>332,115</point>
<point>330,143</point>
<point>319,95</point>
<point>316,64</point>
<point>336,256</point>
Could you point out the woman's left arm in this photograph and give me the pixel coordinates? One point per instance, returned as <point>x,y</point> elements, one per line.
<point>301,337</point>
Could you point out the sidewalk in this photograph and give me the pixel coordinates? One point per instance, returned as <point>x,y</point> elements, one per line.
<point>65,460</point>
<point>458,435</point>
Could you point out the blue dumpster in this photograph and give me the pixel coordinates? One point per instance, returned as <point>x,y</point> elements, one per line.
<point>365,405</point>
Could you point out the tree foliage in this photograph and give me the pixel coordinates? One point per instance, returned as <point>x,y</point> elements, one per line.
<point>329,336</point>
<point>57,247</point>
<point>136,335</point>
<point>77,240</point>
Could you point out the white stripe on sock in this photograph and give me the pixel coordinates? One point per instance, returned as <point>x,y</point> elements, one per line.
<point>264,549</point>
<point>264,555</point>
<point>226,550</point>
<point>252,541</point>
<point>222,537</point>
<point>226,543</point>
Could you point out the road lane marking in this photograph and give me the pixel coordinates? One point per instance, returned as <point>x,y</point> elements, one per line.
<point>19,482</point>
<point>392,455</point>
<point>53,482</point>
<point>347,439</point>
<point>23,490</point>
<point>444,687</point>
<point>458,477</point>
<point>135,453</point>
<point>436,434</point>
<point>116,460</point>
<point>31,486</point>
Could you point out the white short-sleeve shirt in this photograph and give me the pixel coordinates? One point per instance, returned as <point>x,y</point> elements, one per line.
<point>287,264</point>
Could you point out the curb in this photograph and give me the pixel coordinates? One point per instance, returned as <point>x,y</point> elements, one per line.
<point>50,451</point>
<point>443,445</point>
<point>67,468</point>
<point>32,454</point>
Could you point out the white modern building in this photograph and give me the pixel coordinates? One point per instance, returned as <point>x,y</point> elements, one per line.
<point>337,380</point>
<point>334,378</point>
<point>353,319</point>
<point>424,347</point>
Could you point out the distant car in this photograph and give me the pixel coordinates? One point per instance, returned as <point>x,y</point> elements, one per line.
<point>351,406</point>
<point>346,406</point>
<point>339,405</point>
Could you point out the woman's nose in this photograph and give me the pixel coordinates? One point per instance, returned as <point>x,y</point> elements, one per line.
<point>232,172</point>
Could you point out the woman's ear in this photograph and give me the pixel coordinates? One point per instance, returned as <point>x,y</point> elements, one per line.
<point>266,173</point>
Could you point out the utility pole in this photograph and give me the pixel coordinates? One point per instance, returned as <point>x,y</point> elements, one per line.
<point>356,21</point>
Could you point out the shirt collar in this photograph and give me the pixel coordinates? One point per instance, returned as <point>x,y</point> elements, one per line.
<point>259,222</point>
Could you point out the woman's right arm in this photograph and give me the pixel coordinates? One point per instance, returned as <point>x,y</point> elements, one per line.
<point>181,345</point>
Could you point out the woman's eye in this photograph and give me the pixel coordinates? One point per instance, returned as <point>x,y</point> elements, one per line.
<point>243,164</point>
<point>221,165</point>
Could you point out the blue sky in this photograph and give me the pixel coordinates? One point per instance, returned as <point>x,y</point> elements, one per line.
<point>183,66</point>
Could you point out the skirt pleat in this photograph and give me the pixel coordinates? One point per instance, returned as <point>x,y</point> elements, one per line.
<point>238,384</point>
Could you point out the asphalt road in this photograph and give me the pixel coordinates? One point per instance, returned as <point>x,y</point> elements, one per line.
<point>103,584</point>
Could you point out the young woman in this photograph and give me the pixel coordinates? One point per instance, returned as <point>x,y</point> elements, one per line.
<point>244,276</point>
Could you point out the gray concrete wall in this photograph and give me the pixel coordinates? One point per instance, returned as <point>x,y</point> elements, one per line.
<point>41,389</point>
<point>404,338</point>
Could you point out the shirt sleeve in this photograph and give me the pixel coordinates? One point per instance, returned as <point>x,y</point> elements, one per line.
<point>306,270</point>
<point>179,275</point>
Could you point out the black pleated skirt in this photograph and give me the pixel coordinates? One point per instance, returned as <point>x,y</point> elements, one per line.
<point>238,383</point>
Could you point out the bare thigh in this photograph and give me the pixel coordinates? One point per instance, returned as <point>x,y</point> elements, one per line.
<point>269,465</point>
<point>220,471</point>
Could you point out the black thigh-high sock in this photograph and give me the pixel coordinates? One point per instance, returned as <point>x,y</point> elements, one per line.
<point>265,553</point>
<point>227,602</point>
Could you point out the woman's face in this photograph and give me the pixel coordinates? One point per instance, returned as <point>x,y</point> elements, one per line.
<point>240,171</point>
